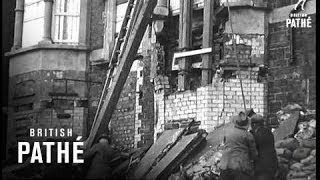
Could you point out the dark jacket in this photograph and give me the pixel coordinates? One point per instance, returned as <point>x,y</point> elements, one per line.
<point>267,160</point>
<point>102,154</point>
<point>240,150</point>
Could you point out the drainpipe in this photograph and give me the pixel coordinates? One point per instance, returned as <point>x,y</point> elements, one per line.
<point>18,25</point>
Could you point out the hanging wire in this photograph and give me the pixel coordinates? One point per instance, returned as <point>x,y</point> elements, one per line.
<point>236,56</point>
<point>250,78</point>
<point>238,66</point>
<point>223,103</point>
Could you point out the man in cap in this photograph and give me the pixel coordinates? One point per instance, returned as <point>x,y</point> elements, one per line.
<point>240,152</point>
<point>267,163</point>
<point>102,154</point>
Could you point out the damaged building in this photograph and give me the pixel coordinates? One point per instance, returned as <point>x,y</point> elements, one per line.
<point>192,64</point>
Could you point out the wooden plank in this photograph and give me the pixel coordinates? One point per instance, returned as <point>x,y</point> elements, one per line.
<point>185,41</point>
<point>155,150</point>
<point>189,152</point>
<point>165,164</point>
<point>192,53</point>
<point>207,41</point>
<point>287,127</point>
<point>123,70</point>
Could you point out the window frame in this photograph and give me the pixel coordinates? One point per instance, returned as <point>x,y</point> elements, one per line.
<point>60,27</point>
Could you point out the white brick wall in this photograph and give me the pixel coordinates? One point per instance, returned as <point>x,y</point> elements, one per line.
<point>206,103</point>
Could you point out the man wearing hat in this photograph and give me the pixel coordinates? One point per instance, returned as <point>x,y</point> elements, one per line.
<point>240,152</point>
<point>267,163</point>
<point>101,154</point>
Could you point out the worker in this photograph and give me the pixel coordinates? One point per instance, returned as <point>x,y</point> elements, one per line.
<point>240,151</point>
<point>101,154</point>
<point>266,164</point>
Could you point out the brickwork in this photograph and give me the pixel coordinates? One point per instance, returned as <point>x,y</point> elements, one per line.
<point>96,74</point>
<point>292,76</point>
<point>123,117</point>
<point>43,99</point>
<point>206,103</point>
<point>144,104</point>
<point>250,48</point>
<point>138,106</point>
<point>122,121</point>
<point>147,101</point>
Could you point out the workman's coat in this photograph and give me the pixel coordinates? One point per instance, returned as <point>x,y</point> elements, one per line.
<point>240,150</point>
<point>102,154</point>
<point>267,162</point>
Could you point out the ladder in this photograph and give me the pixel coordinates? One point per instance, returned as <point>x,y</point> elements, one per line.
<point>121,61</point>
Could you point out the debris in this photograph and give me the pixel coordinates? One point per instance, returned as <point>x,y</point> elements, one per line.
<point>170,150</point>
<point>121,171</point>
<point>283,152</point>
<point>290,143</point>
<point>301,153</point>
<point>181,175</point>
<point>302,161</point>
<point>288,127</point>
<point>164,167</point>
<point>292,107</point>
<point>308,143</point>
<point>156,149</point>
<point>305,131</point>
<point>208,164</point>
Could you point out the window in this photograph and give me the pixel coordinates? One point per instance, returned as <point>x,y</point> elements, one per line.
<point>32,22</point>
<point>66,21</point>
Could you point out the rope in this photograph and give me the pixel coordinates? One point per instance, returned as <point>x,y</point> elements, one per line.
<point>238,66</point>
<point>223,104</point>
<point>250,78</point>
<point>236,56</point>
<point>224,119</point>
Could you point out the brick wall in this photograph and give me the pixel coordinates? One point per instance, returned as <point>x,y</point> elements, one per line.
<point>250,49</point>
<point>144,104</point>
<point>43,99</point>
<point>206,103</point>
<point>292,77</point>
<point>122,121</point>
<point>123,117</point>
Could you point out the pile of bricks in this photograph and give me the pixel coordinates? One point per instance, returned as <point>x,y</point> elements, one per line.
<point>297,155</point>
<point>207,166</point>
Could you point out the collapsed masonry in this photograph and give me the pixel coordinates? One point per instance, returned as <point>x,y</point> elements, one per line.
<point>277,67</point>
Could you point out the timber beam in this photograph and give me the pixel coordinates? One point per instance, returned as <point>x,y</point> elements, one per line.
<point>185,41</point>
<point>207,41</point>
<point>122,71</point>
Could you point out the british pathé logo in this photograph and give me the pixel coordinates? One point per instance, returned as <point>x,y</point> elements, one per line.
<point>298,20</point>
<point>300,3</point>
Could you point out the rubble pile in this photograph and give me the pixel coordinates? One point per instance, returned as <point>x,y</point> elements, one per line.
<point>295,143</point>
<point>208,165</point>
<point>205,164</point>
<point>297,152</point>
<point>172,147</point>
